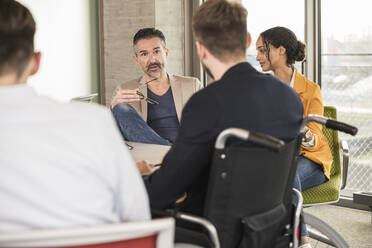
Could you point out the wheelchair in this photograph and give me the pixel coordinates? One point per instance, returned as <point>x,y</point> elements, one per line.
<point>249,193</point>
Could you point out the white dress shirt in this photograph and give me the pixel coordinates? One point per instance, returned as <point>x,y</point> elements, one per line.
<point>63,165</point>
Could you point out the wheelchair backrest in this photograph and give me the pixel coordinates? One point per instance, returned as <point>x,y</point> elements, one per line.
<point>249,193</point>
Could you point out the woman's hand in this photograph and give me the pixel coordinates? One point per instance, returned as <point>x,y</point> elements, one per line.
<point>308,134</point>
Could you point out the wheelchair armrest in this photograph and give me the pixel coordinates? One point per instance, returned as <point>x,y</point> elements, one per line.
<point>344,149</point>
<point>206,224</point>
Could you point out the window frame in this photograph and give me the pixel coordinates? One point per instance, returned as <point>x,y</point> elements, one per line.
<point>313,40</point>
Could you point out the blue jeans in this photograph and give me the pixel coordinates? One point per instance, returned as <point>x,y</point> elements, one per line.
<point>133,127</point>
<point>308,175</point>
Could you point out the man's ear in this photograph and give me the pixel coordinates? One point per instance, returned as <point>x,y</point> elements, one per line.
<point>201,50</point>
<point>135,58</point>
<point>36,63</point>
<point>249,40</point>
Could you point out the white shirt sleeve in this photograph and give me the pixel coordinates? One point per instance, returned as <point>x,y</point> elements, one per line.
<point>133,203</point>
<point>131,197</point>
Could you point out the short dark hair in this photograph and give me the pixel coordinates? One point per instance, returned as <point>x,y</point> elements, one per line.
<point>17,29</point>
<point>282,36</point>
<point>148,33</point>
<point>221,26</point>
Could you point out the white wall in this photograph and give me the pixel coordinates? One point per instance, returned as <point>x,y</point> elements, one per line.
<point>64,37</point>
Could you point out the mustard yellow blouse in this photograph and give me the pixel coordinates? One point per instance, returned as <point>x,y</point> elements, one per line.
<point>311,98</point>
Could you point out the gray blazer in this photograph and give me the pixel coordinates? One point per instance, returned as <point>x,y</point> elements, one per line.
<point>182,89</point>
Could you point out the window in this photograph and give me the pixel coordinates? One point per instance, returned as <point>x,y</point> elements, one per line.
<point>271,13</point>
<point>346,79</point>
<point>66,37</point>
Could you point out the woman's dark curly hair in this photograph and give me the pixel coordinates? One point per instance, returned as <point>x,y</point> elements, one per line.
<point>281,36</point>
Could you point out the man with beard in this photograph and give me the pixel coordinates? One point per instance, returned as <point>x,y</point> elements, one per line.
<point>240,97</point>
<point>148,109</point>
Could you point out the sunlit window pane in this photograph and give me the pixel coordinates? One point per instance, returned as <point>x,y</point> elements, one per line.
<point>346,76</point>
<point>66,38</point>
<point>263,15</point>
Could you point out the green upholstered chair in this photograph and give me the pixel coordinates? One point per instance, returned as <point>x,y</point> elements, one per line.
<point>329,191</point>
<point>88,98</point>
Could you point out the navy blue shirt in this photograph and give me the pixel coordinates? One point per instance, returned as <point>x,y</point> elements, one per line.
<point>162,117</point>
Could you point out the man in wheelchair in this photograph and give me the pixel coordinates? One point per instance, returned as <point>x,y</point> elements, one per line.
<point>240,97</point>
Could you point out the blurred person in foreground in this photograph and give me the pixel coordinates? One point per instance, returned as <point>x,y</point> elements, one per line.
<point>61,165</point>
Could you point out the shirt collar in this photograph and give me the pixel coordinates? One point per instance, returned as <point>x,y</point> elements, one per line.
<point>293,78</point>
<point>240,67</point>
<point>15,91</point>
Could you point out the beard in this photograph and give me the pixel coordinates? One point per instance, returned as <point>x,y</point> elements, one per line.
<point>155,74</point>
<point>209,73</point>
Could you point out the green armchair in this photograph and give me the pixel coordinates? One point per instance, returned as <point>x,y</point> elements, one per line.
<point>329,191</point>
